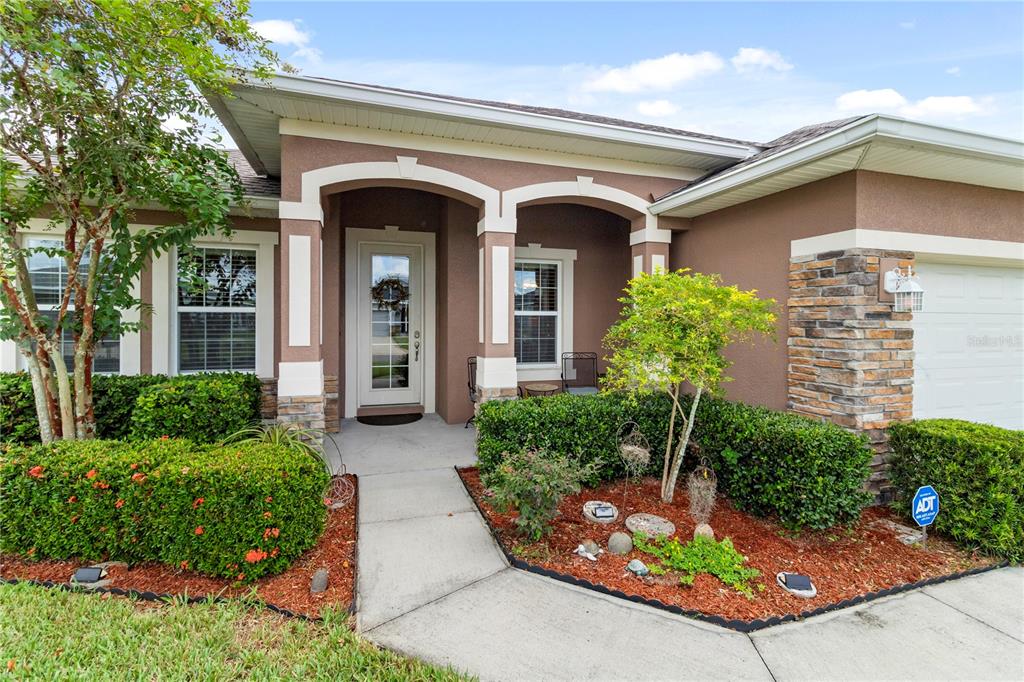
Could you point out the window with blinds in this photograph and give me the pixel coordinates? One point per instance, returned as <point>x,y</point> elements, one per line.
<point>217,310</point>
<point>537,314</point>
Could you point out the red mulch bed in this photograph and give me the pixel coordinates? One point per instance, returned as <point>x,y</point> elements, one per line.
<point>842,562</point>
<point>335,551</point>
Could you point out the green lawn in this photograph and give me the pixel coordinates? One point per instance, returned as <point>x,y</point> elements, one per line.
<point>52,634</point>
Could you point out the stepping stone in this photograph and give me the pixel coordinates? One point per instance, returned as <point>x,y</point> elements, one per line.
<point>650,525</point>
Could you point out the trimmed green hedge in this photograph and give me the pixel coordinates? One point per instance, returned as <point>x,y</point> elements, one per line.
<point>978,471</point>
<point>202,407</point>
<point>238,511</point>
<point>807,473</point>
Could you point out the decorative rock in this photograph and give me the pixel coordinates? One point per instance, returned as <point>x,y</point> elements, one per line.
<point>591,547</point>
<point>786,581</point>
<point>905,534</point>
<point>582,551</point>
<point>592,511</point>
<point>703,531</point>
<point>620,543</point>
<point>637,567</point>
<point>319,582</point>
<point>650,525</point>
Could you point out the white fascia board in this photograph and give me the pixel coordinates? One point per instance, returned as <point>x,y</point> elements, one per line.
<point>482,113</point>
<point>861,131</point>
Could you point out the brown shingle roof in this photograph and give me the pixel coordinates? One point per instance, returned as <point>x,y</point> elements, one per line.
<point>255,185</point>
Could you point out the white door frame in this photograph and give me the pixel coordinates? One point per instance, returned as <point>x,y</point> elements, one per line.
<point>390,234</point>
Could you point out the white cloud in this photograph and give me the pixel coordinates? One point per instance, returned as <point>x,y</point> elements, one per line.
<point>657,108</point>
<point>282,32</point>
<point>953,71</point>
<point>868,101</point>
<point>663,73</point>
<point>908,25</point>
<point>943,107</point>
<point>934,108</point>
<point>758,59</point>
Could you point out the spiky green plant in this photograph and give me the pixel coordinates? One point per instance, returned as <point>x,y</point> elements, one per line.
<point>291,436</point>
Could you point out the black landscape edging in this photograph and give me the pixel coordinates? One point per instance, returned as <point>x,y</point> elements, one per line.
<point>732,624</point>
<point>146,595</point>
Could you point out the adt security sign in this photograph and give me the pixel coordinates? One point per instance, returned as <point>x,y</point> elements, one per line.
<point>925,506</point>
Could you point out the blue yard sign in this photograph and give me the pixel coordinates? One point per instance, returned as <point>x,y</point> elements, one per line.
<point>925,506</point>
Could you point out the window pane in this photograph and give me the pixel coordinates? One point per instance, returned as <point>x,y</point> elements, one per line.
<point>243,341</point>
<point>191,341</point>
<point>217,275</point>
<point>536,337</point>
<point>106,357</point>
<point>190,278</point>
<point>536,286</point>
<point>243,278</point>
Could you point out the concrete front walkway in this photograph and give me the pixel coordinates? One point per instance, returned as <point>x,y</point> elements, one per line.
<point>432,584</point>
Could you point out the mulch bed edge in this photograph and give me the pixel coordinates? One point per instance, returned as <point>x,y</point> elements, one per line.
<point>745,626</point>
<point>146,595</point>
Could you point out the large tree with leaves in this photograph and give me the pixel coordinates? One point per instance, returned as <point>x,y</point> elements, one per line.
<point>101,111</point>
<point>673,332</point>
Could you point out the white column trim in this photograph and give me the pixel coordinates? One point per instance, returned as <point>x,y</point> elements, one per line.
<point>480,295</point>
<point>8,356</point>
<point>657,262</point>
<point>160,320</point>
<point>300,263</point>
<point>496,372</point>
<point>300,378</point>
<point>967,248</point>
<point>131,343</point>
<point>638,265</point>
<point>500,294</point>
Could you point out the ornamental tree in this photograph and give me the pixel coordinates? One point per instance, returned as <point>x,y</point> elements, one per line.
<point>102,110</point>
<point>672,332</point>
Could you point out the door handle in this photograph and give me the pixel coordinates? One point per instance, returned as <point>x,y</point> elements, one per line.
<point>417,347</point>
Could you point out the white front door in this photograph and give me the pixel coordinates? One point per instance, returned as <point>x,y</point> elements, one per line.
<point>390,300</point>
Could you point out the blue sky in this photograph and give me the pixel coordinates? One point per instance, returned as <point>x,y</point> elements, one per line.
<point>752,71</point>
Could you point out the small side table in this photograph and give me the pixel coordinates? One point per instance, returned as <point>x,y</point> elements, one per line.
<point>540,389</point>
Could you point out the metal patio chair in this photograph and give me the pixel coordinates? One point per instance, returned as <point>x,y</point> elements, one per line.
<point>579,373</point>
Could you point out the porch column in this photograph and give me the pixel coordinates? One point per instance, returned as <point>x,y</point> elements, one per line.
<point>300,385</point>
<point>496,375</point>
<point>649,245</point>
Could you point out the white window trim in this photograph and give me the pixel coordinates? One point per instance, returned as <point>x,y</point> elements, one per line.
<point>131,343</point>
<point>565,260</point>
<point>165,300</point>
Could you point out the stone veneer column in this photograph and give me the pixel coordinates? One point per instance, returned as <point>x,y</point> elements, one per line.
<point>851,358</point>
<point>496,375</point>
<point>300,386</point>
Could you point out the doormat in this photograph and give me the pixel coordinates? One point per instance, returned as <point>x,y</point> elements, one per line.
<point>389,419</point>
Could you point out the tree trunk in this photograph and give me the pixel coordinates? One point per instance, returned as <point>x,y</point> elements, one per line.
<point>668,488</point>
<point>85,424</point>
<point>39,392</point>
<point>66,401</point>
<point>671,432</point>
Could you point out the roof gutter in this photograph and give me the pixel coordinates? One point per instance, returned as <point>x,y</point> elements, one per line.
<point>855,133</point>
<point>482,113</point>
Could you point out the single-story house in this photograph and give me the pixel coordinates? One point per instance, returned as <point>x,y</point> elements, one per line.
<point>392,235</point>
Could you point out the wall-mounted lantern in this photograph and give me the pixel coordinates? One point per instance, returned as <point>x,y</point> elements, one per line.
<point>908,296</point>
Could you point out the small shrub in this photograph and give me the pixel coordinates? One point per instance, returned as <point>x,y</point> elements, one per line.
<point>978,471</point>
<point>700,555</point>
<point>534,484</point>
<point>204,408</point>
<point>113,401</point>
<point>237,511</point>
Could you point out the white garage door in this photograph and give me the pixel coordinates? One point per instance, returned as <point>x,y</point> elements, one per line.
<point>969,344</point>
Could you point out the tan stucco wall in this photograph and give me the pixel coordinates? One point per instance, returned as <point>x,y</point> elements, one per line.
<point>904,204</point>
<point>749,244</point>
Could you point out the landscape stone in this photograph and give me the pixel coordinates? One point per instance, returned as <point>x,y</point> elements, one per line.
<point>588,511</point>
<point>650,525</point>
<point>620,543</point>
<point>703,530</point>
<point>638,567</point>
<point>319,582</point>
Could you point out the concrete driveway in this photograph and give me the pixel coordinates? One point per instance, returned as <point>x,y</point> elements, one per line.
<point>432,584</point>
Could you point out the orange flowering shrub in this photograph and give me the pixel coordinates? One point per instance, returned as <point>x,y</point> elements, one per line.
<point>172,501</point>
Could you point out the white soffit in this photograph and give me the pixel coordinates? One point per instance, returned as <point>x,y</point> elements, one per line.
<point>254,113</point>
<point>881,144</point>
